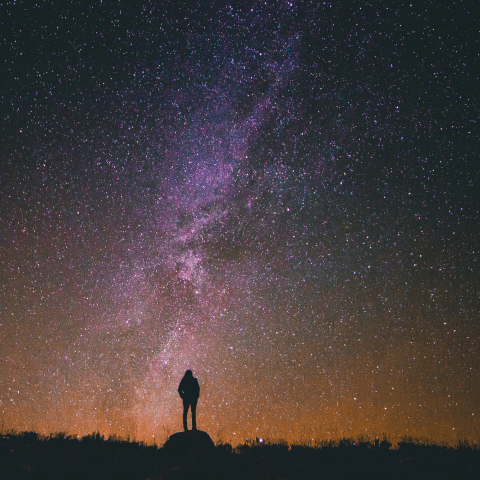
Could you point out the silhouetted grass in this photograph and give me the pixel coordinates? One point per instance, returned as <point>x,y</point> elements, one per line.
<point>27,455</point>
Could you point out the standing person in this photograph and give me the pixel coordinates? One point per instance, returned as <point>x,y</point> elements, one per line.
<point>189,391</point>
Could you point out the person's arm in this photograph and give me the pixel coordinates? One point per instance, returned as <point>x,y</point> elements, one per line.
<point>180,390</point>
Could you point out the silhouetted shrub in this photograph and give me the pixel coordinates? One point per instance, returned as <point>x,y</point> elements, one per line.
<point>464,445</point>
<point>346,442</point>
<point>93,437</point>
<point>28,437</point>
<point>225,448</point>
<point>385,443</point>
<point>364,443</point>
<point>61,437</point>
<point>260,446</point>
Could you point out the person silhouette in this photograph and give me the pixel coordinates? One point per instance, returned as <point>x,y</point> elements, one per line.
<point>189,391</point>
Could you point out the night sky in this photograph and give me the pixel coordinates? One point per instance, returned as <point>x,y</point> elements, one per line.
<point>282,196</point>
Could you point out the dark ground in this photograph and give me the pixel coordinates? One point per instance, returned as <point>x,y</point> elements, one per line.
<point>25,456</point>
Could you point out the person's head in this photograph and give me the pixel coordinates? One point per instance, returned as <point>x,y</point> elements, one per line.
<point>188,373</point>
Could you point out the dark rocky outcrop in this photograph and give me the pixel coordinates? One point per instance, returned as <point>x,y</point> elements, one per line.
<point>191,443</point>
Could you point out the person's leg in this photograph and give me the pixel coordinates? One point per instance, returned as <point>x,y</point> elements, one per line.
<point>194,415</point>
<point>185,413</point>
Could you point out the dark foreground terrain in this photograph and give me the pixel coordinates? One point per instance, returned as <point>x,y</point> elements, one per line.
<point>26,456</point>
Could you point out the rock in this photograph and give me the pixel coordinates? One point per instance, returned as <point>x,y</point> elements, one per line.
<point>191,443</point>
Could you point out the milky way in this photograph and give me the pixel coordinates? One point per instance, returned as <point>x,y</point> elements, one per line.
<point>281,196</point>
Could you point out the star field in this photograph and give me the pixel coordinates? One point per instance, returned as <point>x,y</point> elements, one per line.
<point>281,196</point>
